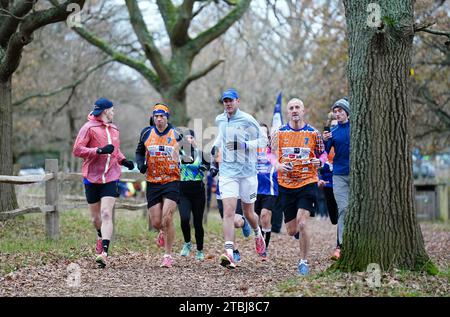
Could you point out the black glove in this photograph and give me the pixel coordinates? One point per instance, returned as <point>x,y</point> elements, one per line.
<point>142,168</point>
<point>213,171</point>
<point>107,149</point>
<point>214,151</point>
<point>128,164</point>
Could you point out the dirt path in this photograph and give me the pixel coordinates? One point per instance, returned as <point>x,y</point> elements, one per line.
<point>137,274</point>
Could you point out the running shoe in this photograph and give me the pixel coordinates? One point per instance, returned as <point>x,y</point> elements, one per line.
<point>101,260</point>
<point>337,254</point>
<point>303,268</point>
<point>167,261</point>
<point>260,245</point>
<point>186,249</point>
<point>200,256</point>
<point>264,256</point>
<point>227,261</point>
<point>236,256</point>
<point>246,230</point>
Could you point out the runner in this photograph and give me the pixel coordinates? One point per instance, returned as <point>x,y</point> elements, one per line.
<point>238,139</point>
<point>193,195</point>
<point>158,158</point>
<point>98,144</point>
<point>297,147</point>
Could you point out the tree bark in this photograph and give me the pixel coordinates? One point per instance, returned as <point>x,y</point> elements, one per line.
<point>381,225</point>
<point>177,105</point>
<point>8,199</point>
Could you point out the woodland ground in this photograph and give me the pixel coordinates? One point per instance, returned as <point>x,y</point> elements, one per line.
<point>30,265</point>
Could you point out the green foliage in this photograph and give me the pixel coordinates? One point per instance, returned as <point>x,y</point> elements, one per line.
<point>389,21</point>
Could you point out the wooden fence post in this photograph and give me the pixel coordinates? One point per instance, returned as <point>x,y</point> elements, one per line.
<point>51,198</point>
<point>442,196</point>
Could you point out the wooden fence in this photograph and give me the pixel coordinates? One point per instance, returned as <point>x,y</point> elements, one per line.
<point>431,198</point>
<point>53,205</point>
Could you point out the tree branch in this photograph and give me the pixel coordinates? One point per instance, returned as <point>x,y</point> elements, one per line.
<point>168,12</point>
<point>202,6</point>
<point>146,41</point>
<point>435,32</point>
<point>431,131</point>
<point>24,36</point>
<point>200,74</point>
<point>426,97</point>
<point>11,22</point>
<point>72,93</point>
<point>221,27</point>
<point>424,27</point>
<point>179,32</point>
<point>120,57</point>
<point>61,89</point>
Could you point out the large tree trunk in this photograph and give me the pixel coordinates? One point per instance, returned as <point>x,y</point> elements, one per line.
<point>177,105</point>
<point>381,225</point>
<point>8,199</point>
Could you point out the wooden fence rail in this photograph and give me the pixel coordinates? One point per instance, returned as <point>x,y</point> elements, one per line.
<point>436,193</point>
<point>53,206</point>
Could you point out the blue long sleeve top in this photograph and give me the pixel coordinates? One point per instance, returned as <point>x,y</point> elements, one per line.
<point>341,143</point>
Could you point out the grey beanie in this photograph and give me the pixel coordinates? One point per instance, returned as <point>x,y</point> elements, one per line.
<point>342,103</point>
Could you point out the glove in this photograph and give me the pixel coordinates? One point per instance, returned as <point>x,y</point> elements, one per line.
<point>142,168</point>
<point>128,164</point>
<point>214,151</point>
<point>213,171</point>
<point>107,149</point>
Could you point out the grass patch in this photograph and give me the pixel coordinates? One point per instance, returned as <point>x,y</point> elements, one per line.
<point>392,284</point>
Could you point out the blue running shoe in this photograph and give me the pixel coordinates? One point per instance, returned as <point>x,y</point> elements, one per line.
<point>303,268</point>
<point>246,230</point>
<point>236,256</point>
<point>187,246</point>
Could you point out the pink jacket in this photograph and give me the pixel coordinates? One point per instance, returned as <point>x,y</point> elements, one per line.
<point>98,168</point>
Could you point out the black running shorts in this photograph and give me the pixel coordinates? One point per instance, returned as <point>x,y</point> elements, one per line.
<point>264,202</point>
<point>156,192</point>
<point>292,200</point>
<point>95,192</point>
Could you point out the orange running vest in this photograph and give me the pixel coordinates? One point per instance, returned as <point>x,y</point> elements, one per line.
<point>162,157</point>
<point>298,148</point>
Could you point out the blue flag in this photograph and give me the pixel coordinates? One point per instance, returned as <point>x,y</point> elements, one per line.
<point>277,119</point>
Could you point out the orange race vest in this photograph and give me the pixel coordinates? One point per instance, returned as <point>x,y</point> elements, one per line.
<point>298,148</point>
<point>162,157</point>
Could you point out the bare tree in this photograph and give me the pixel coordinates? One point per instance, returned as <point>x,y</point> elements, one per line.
<point>171,76</point>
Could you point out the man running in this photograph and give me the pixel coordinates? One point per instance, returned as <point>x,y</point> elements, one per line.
<point>297,147</point>
<point>98,144</point>
<point>157,156</point>
<point>237,141</point>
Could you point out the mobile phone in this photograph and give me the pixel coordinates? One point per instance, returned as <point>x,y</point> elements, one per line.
<point>326,129</point>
